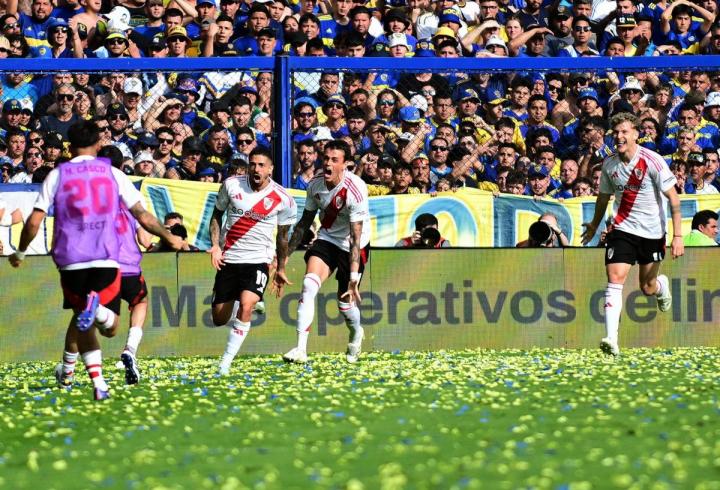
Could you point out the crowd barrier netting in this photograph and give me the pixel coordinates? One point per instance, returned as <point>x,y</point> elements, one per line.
<point>457,298</point>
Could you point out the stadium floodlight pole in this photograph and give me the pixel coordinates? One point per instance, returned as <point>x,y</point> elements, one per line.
<point>282,134</point>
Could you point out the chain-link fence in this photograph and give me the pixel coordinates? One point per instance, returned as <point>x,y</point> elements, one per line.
<point>192,124</point>
<point>541,131</point>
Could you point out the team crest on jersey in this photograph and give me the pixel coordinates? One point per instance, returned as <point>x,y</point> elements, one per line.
<point>638,173</point>
<point>267,203</point>
<point>339,202</point>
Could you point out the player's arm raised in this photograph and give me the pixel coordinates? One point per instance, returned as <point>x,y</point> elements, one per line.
<point>29,231</point>
<point>152,225</point>
<point>353,291</point>
<point>281,254</point>
<point>301,228</point>
<point>591,227</point>
<point>216,254</point>
<point>678,247</point>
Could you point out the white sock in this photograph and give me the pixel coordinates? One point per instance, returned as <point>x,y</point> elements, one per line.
<point>306,308</point>
<point>68,362</point>
<point>104,318</point>
<point>352,319</point>
<point>133,340</point>
<point>238,331</point>
<point>613,308</point>
<point>93,366</point>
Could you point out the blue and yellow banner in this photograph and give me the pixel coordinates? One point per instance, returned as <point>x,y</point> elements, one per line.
<point>468,217</point>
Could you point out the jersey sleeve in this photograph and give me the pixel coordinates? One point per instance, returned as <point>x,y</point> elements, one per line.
<point>223,198</point>
<point>47,192</point>
<point>664,178</point>
<point>359,210</point>
<point>310,203</point>
<point>606,186</point>
<point>288,214</point>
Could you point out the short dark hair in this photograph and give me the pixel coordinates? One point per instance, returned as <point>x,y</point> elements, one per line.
<point>339,145</point>
<point>83,134</point>
<point>425,220</point>
<point>262,151</point>
<point>172,215</point>
<point>702,218</point>
<point>112,153</point>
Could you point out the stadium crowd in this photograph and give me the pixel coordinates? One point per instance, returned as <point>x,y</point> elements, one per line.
<point>535,133</point>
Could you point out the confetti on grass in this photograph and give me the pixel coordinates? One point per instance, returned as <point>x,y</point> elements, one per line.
<point>464,419</point>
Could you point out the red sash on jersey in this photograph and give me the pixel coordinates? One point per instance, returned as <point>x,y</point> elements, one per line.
<point>632,188</point>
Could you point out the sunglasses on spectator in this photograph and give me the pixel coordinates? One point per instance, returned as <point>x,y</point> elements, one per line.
<point>166,140</point>
<point>306,114</point>
<point>61,29</point>
<point>11,26</point>
<point>116,41</point>
<point>632,91</point>
<point>103,128</point>
<point>116,117</point>
<point>35,140</point>
<point>176,39</point>
<point>554,88</point>
<point>387,102</point>
<point>335,105</point>
<point>66,96</point>
<point>3,50</point>
<point>430,93</point>
<point>33,154</point>
<point>582,28</point>
<point>244,142</point>
<point>438,148</point>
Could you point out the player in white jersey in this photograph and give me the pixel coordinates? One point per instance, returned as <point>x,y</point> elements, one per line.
<point>255,205</point>
<point>342,243</point>
<point>640,180</point>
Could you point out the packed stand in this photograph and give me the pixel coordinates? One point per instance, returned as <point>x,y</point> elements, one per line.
<point>536,133</point>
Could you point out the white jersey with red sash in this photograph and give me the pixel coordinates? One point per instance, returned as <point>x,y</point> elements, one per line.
<point>638,186</point>
<point>248,233</point>
<point>345,203</point>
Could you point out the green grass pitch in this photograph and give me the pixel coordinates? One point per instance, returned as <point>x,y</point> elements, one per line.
<point>465,419</point>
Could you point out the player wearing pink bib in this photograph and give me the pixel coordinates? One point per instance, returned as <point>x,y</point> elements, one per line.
<point>86,195</point>
<point>641,182</point>
<point>342,243</point>
<point>254,205</point>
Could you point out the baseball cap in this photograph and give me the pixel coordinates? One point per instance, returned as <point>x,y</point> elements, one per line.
<point>588,93</point>
<point>445,31</point>
<point>538,171</point>
<point>696,158</point>
<point>424,48</point>
<point>132,86</point>
<point>207,172</point>
<point>143,156</point>
<point>12,105</point>
<point>468,93</point>
<point>562,11</point>
<point>397,14</point>
<point>631,83</point>
<point>496,41</point>
<point>148,139</point>
<point>398,39</point>
<point>27,106</point>
<point>379,49</point>
<point>449,15</point>
<point>494,96</point>
<point>713,99</point>
<point>116,34</point>
<point>335,99</point>
<point>626,21</point>
<point>267,32</point>
<point>53,139</point>
<point>410,114</point>
<point>420,156</point>
<point>188,85</point>
<point>157,43</point>
<point>116,109</point>
<point>214,3</point>
<point>322,133</point>
<point>306,100</point>
<point>178,31</point>
<point>406,137</point>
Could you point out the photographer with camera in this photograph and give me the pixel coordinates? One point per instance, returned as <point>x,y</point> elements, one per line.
<point>545,232</point>
<point>426,234</point>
